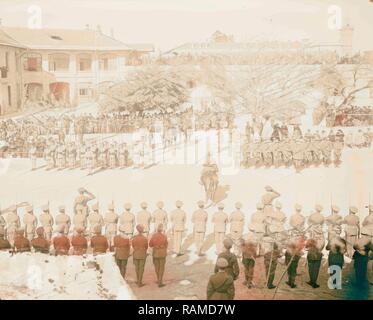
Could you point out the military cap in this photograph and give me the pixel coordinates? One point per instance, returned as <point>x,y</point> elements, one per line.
<point>40,231</point>
<point>278,205</point>
<point>353,209</point>
<point>318,207</point>
<point>179,203</point>
<point>228,243</point>
<point>144,205</point>
<point>81,190</point>
<point>221,205</point>
<point>61,208</point>
<point>222,263</point>
<point>200,203</point>
<point>298,207</point>
<point>111,206</point>
<point>29,209</point>
<point>259,205</point>
<point>140,228</point>
<point>160,204</point>
<point>238,205</point>
<point>127,206</point>
<point>95,207</point>
<point>268,188</point>
<point>45,208</point>
<point>335,208</point>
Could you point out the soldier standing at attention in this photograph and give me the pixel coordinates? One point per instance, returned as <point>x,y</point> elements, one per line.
<point>233,269</point>
<point>221,284</point>
<point>33,156</point>
<point>61,243</point>
<point>30,222</point>
<point>80,219</point>
<point>95,219</point>
<point>315,223</point>
<point>352,230</point>
<point>40,244</point>
<point>122,247</point>
<point>46,220</point>
<point>127,220</point>
<point>159,244</point>
<point>144,218</point>
<point>268,198</point>
<point>297,222</point>
<point>178,218</point>
<point>314,257</point>
<point>160,216</point>
<point>257,226</point>
<point>334,222</point>
<point>199,220</point>
<point>21,243</point>
<point>248,260</point>
<point>271,254</point>
<point>63,220</point>
<point>79,242</point>
<point>111,221</point>
<point>13,224</point>
<point>292,256</point>
<point>237,221</point>
<point>4,243</point>
<point>219,219</point>
<point>99,243</point>
<point>140,247</point>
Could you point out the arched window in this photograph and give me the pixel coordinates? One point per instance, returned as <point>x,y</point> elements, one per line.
<point>59,62</point>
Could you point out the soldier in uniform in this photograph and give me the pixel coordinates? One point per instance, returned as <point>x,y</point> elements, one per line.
<point>21,243</point>
<point>82,156</point>
<point>337,248</point>
<point>276,221</point>
<point>178,218</point>
<point>4,243</point>
<point>144,218</point>
<point>95,219</point>
<point>63,220</point>
<point>292,256</point>
<point>233,269</point>
<point>199,220</point>
<point>40,244</point>
<point>79,242</point>
<point>71,155</point>
<point>122,247</point>
<point>337,151</point>
<point>61,157</point>
<point>61,243</point>
<point>267,200</point>
<point>367,226</point>
<point>221,284</point>
<point>314,257</point>
<point>257,226</point>
<point>297,222</point>
<point>140,247</point>
<point>159,243</point>
<point>13,224</point>
<point>90,159</point>
<point>220,220</point>
<point>334,222</point>
<point>111,221</point>
<point>315,223</point>
<point>50,156</point>
<point>83,198</point>
<point>272,253</point>
<point>30,222</point>
<point>33,156</point>
<point>249,254</point>
<point>352,229</point>
<point>113,155</point>
<point>237,221</point>
<point>80,219</point>
<point>99,243</point>
<point>47,221</point>
<point>159,216</point>
<point>127,220</point>
<point>123,156</point>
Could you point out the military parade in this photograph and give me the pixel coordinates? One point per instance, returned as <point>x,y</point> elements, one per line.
<point>160,233</point>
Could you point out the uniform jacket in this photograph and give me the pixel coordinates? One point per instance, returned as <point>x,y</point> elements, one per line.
<point>220,287</point>
<point>220,220</point>
<point>199,219</point>
<point>61,245</point>
<point>233,269</point>
<point>80,245</point>
<point>178,217</point>
<point>99,244</point>
<point>122,247</point>
<point>140,246</point>
<point>159,244</point>
<point>22,244</point>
